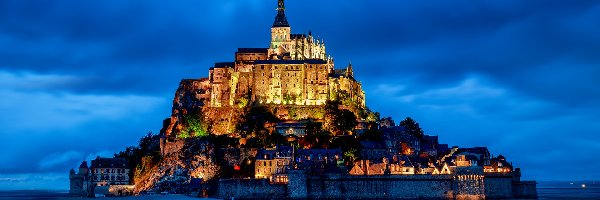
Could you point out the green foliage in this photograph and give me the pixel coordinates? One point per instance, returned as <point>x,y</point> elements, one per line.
<point>292,113</point>
<point>243,102</point>
<point>412,127</point>
<point>349,145</point>
<point>351,155</point>
<point>289,98</point>
<point>373,116</point>
<point>195,127</point>
<point>184,134</point>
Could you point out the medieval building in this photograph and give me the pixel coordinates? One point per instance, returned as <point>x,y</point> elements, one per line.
<point>294,70</point>
<point>103,176</point>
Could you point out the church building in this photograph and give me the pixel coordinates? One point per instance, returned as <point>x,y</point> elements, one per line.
<point>293,70</point>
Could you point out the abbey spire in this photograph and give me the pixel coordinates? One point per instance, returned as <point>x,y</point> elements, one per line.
<point>280,19</point>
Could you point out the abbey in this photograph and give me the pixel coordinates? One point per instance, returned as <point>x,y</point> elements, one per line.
<point>295,69</point>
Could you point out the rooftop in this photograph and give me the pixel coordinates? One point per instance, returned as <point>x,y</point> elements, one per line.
<point>109,163</point>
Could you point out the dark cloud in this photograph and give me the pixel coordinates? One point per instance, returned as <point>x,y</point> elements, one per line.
<point>77,74</point>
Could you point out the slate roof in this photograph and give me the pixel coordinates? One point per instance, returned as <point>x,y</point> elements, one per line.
<point>109,163</point>
<point>83,165</point>
<point>281,19</point>
<point>372,145</point>
<point>475,150</point>
<point>280,151</point>
<point>323,152</point>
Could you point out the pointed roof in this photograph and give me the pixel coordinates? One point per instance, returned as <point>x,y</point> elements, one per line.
<point>281,19</point>
<point>357,170</point>
<point>83,165</point>
<point>349,71</point>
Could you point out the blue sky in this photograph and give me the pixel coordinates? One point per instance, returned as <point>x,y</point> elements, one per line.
<point>86,78</point>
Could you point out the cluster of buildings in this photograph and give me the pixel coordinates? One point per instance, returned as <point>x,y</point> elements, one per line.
<point>398,153</point>
<point>399,162</point>
<point>106,176</point>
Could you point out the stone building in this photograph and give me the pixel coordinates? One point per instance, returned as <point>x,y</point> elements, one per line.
<point>103,176</point>
<point>498,165</point>
<point>109,171</point>
<point>80,181</point>
<point>271,164</point>
<point>294,70</point>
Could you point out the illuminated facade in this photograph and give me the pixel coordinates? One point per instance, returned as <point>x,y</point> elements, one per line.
<point>294,70</point>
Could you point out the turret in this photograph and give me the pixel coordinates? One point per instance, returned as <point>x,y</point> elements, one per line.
<point>349,72</point>
<point>83,168</point>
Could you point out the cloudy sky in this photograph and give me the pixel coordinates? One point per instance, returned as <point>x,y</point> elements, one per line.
<point>86,78</point>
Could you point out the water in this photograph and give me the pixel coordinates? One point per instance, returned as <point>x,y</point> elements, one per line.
<point>33,194</point>
<point>546,190</point>
<point>568,190</point>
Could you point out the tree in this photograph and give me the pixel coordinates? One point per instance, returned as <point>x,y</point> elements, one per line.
<point>253,124</point>
<point>148,147</point>
<point>372,135</point>
<point>350,146</point>
<point>338,121</point>
<point>412,127</point>
<point>316,137</point>
<point>346,121</point>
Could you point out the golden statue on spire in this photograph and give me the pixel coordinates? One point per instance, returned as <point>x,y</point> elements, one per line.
<point>281,5</point>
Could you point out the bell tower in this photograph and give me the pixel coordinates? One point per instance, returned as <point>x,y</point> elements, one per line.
<point>280,31</point>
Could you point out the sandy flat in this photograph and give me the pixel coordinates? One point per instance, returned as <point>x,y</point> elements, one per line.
<point>170,197</point>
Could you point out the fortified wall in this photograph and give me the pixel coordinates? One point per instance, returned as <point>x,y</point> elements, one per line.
<point>470,183</point>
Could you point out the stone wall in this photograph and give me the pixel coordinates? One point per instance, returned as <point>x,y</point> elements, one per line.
<point>525,190</point>
<point>250,189</point>
<point>498,186</point>
<point>390,186</point>
<point>336,186</point>
<point>468,183</point>
<point>341,186</point>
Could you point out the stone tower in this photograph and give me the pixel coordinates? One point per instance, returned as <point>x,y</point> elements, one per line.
<point>79,182</point>
<point>280,32</point>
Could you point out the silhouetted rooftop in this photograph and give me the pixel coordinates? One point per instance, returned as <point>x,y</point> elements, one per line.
<point>253,50</point>
<point>109,163</point>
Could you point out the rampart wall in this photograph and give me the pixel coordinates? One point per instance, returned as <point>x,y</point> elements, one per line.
<point>342,186</point>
